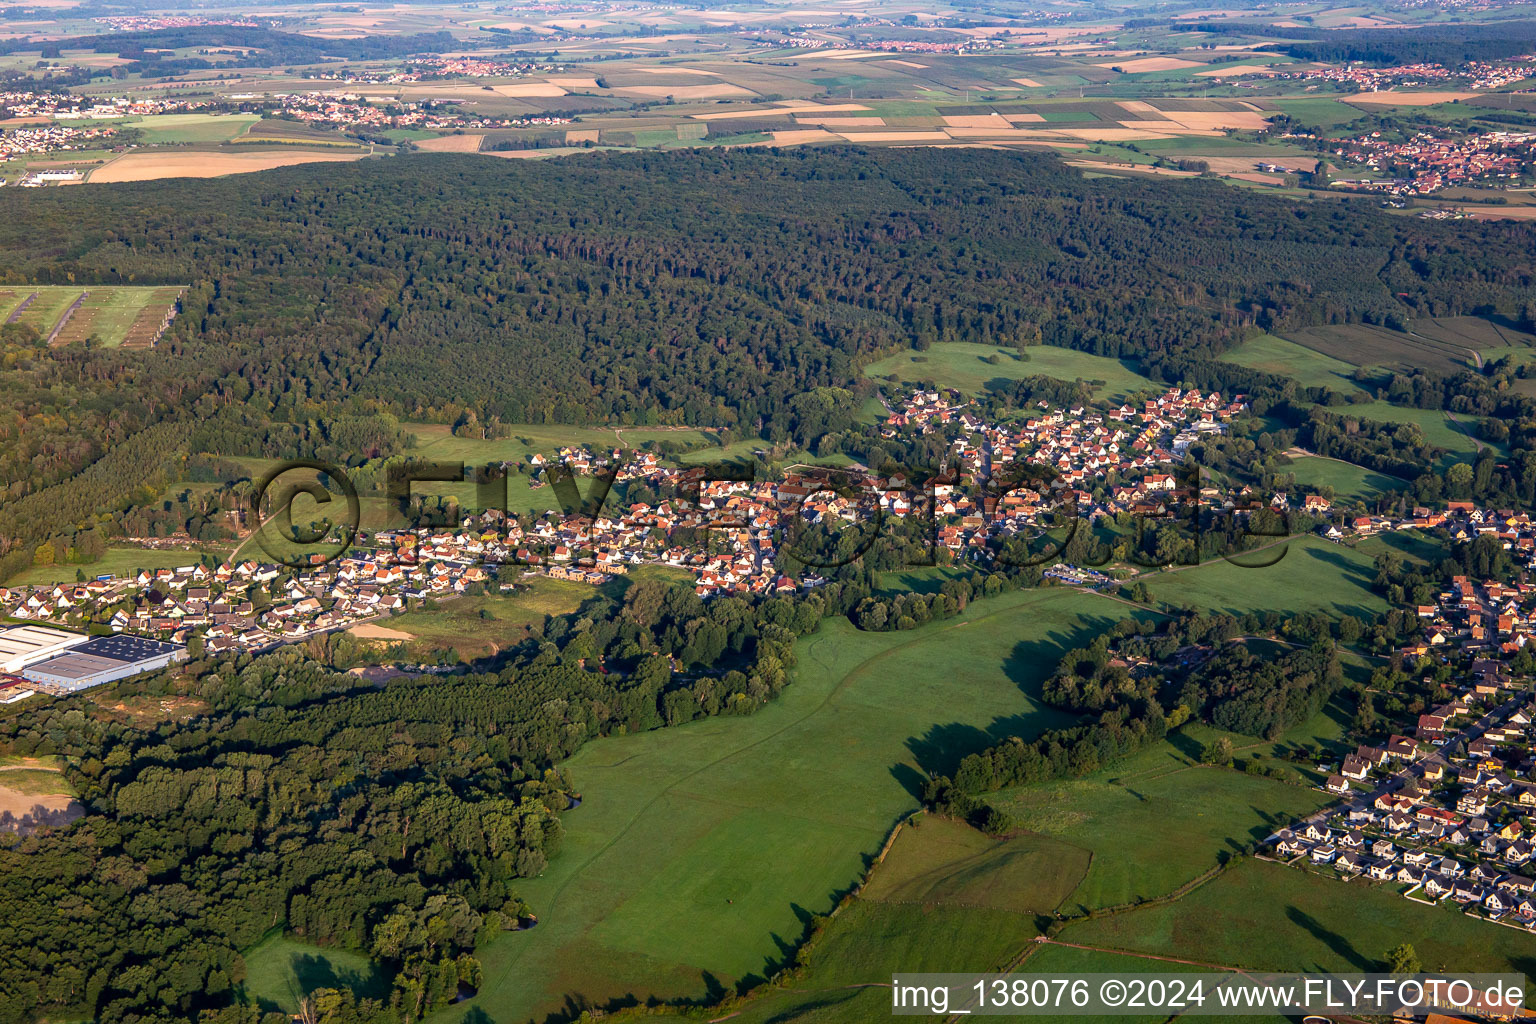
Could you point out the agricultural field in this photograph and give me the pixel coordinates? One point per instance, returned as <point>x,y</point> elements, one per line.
<point>1367,345</point>
<point>163,129</point>
<point>712,841</point>
<point>1318,111</point>
<point>152,164</point>
<point>1488,338</point>
<point>115,315</point>
<point>966,367</point>
<point>282,132</point>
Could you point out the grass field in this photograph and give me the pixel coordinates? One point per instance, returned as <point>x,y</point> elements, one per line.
<point>1319,112</point>
<point>281,970</point>
<point>1347,480</point>
<point>939,862</point>
<point>1156,821</point>
<point>1288,359</point>
<point>1411,544</point>
<point>35,781</point>
<point>477,627</point>
<point>703,848</point>
<point>160,129</point>
<point>110,313</point>
<point>962,365</point>
<point>117,561</point>
<point>1267,916</point>
<point>946,898</point>
<point>1314,575</point>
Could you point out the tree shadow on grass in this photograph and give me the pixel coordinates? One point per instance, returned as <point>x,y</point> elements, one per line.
<point>1341,946</point>
<point>1352,572</point>
<point>313,972</point>
<point>813,1003</point>
<point>1185,744</point>
<point>1032,661</point>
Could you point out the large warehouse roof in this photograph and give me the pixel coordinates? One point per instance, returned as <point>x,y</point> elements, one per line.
<point>103,659</point>
<point>23,645</point>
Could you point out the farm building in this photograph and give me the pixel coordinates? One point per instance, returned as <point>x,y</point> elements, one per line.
<point>103,659</point>
<point>21,646</point>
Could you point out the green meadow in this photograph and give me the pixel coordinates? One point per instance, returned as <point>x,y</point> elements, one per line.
<point>1308,368</point>
<point>1310,574</point>
<point>939,862</point>
<point>1438,428</point>
<point>699,853</point>
<point>965,367</point>
<point>120,561</point>
<point>1156,821</point>
<point>281,970</point>
<point>945,898</point>
<point>1266,916</point>
<point>1347,480</point>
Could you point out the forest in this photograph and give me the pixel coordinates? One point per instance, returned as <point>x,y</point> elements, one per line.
<point>711,288</point>
<point>393,820</point>
<point>1450,45</point>
<point>148,46</point>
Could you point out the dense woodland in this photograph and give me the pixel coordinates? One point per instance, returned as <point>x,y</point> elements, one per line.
<point>705,288</point>
<point>148,51</point>
<point>1450,45</point>
<point>393,820</point>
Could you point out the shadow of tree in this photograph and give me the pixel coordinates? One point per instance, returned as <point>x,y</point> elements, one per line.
<point>1341,946</point>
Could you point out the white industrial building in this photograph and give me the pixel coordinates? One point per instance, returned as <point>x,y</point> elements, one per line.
<point>21,646</point>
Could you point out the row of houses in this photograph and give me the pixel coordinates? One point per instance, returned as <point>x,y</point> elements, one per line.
<point>1461,827</point>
